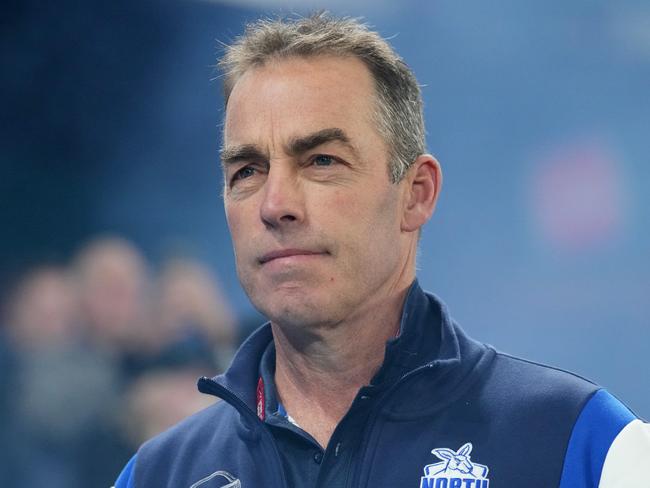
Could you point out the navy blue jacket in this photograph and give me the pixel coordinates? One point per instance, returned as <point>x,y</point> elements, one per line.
<point>444,411</point>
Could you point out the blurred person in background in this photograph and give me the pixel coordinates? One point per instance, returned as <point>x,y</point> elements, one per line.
<point>43,310</point>
<point>113,282</point>
<point>82,346</point>
<point>114,287</point>
<point>194,322</point>
<point>38,336</point>
<point>58,390</point>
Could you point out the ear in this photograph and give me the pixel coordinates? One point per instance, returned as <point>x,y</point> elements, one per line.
<point>465,450</point>
<point>424,181</point>
<point>444,454</point>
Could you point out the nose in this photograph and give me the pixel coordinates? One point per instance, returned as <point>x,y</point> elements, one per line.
<point>283,199</point>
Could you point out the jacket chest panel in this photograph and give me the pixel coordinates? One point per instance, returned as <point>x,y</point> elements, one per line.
<point>442,453</point>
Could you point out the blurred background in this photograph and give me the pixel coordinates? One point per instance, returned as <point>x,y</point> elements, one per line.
<point>117,278</point>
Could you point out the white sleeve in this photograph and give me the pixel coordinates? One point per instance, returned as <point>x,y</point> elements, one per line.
<point>627,464</point>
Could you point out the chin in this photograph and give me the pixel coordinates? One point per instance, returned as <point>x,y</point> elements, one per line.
<point>301,299</point>
<point>292,308</point>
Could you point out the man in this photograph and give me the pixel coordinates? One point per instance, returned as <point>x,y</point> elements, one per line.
<point>360,378</point>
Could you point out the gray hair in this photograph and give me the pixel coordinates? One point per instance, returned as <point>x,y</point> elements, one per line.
<point>398,114</point>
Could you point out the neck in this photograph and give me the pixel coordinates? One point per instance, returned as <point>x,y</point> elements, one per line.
<point>318,379</point>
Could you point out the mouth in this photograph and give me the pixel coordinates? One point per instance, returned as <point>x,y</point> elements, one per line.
<point>287,253</point>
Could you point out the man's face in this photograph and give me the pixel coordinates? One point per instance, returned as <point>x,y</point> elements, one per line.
<point>314,218</point>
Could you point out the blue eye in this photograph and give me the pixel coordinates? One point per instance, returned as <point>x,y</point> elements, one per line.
<point>245,172</point>
<point>323,160</point>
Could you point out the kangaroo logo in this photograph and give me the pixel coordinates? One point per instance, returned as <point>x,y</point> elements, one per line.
<point>455,470</point>
<point>221,479</point>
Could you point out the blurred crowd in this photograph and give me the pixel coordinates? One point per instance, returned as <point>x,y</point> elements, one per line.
<point>99,355</point>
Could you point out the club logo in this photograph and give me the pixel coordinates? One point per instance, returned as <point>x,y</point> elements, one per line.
<point>219,479</point>
<point>455,470</point>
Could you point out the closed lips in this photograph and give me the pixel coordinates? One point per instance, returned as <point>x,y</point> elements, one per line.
<point>284,253</point>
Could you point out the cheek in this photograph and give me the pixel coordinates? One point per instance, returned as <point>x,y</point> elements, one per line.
<point>241,248</point>
<point>368,228</point>
<point>238,226</point>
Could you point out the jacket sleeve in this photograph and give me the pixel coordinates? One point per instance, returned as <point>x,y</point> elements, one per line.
<point>126,478</point>
<point>609,447</point>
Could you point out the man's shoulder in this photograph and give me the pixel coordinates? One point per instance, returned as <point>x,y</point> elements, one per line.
<point>565,417</point>
<point>533,382</point>
<point>550,374</point>
<point>185,440</point>
<point>195,428</point>
<point>161,457</point>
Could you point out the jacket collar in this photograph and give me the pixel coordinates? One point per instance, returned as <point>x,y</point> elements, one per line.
<point>427,337</point>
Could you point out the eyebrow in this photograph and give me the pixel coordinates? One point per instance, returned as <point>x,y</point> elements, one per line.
<point>296,146</point>
<point>245,152</point>
<point>300,145</point>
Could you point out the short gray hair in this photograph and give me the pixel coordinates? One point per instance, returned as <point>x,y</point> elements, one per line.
<point>399,116</point>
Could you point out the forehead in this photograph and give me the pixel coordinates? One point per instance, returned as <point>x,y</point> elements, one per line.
<point>288,97</point>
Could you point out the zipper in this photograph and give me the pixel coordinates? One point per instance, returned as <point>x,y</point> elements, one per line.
<point>372,419</point>
<point>209,386</point>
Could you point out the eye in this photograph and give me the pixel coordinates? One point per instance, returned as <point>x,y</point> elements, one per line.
<point>323,160</point>
<point>243,173</point>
